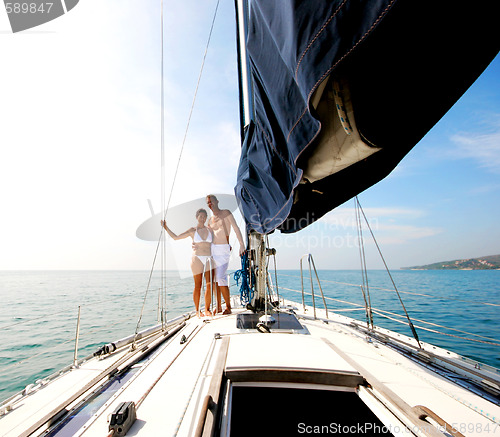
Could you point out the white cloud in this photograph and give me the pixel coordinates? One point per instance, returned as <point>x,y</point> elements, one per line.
<point>485,189</point>
<point>401,234</point>
<point>483,147</point>
<point>346,217</point>
<point>389,224</point>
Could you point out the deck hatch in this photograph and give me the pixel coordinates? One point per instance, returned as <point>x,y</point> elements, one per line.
<point>306,412</point>
<point>284,321</point>
<point>297,376</point>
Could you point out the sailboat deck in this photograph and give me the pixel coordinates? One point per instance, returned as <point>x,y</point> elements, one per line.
<point>170,386</point>
<point>414,384</point>
<point>37,405</point>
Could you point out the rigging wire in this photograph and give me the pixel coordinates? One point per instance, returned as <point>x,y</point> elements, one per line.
<point>270,286</point>
<point>180,153</point>
<point>414,332</point>
<point>493,341</point>
<point>383,313</point>
<point>66,310</point>
<point>364,271</point>
<point>276,276</point>
<point>162,183</point>
<point>405,292</point>
<point>443,333</point>
<point>58,345</point>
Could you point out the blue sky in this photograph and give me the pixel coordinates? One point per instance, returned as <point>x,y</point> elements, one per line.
<point>80,148</point>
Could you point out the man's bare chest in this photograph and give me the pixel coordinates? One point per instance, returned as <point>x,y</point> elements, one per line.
<point>217,223</point>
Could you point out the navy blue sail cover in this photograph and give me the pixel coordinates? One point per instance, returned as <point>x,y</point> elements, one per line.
<point>407,63</point>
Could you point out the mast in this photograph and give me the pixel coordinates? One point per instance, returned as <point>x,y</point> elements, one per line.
<point>258,254</point>
<point>241,8</point>
<point>257,242</point>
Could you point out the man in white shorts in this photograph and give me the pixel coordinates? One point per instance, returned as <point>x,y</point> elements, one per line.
<point>221,223</point>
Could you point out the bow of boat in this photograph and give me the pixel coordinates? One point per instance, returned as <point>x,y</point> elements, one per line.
<point>229,375</point>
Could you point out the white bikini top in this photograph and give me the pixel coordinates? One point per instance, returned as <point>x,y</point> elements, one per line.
<point>197,237</point>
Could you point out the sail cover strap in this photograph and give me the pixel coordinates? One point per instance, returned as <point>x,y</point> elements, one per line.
<point>392,55</point>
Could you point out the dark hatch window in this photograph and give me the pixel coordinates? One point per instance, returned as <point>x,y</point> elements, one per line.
<point>298,412</point>
<point>283,321</point>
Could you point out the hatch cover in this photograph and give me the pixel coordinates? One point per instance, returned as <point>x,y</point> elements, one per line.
<point>283,321</point>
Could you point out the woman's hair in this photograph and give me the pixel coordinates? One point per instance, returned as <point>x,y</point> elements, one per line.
<point>201,211</point>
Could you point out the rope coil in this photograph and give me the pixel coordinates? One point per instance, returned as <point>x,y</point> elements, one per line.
<point>246,293</point>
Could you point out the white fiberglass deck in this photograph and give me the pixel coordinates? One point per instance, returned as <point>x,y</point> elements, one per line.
<point>170,386</point>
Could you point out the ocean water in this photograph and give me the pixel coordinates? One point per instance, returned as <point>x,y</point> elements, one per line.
<point>38,311</point>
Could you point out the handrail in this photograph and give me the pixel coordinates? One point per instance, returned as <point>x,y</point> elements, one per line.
<point>77,336</point>
<point>311,262</point>
<point>454,299</point>
<point>375,384</point>
<point>424,412</point>
<point>380,312</point>
<point>206,421</point>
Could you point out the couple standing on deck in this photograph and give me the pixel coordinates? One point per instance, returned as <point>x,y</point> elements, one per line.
<point>211,249</point>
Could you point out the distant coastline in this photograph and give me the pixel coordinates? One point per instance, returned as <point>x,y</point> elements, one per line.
<point>491,262</point>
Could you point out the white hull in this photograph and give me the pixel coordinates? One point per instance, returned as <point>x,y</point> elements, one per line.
<point>335,357</point>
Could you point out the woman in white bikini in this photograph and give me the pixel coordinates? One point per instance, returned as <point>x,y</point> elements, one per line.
<point>201,259</point>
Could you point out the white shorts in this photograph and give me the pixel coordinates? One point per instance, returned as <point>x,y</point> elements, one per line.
<point>221,254</point>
